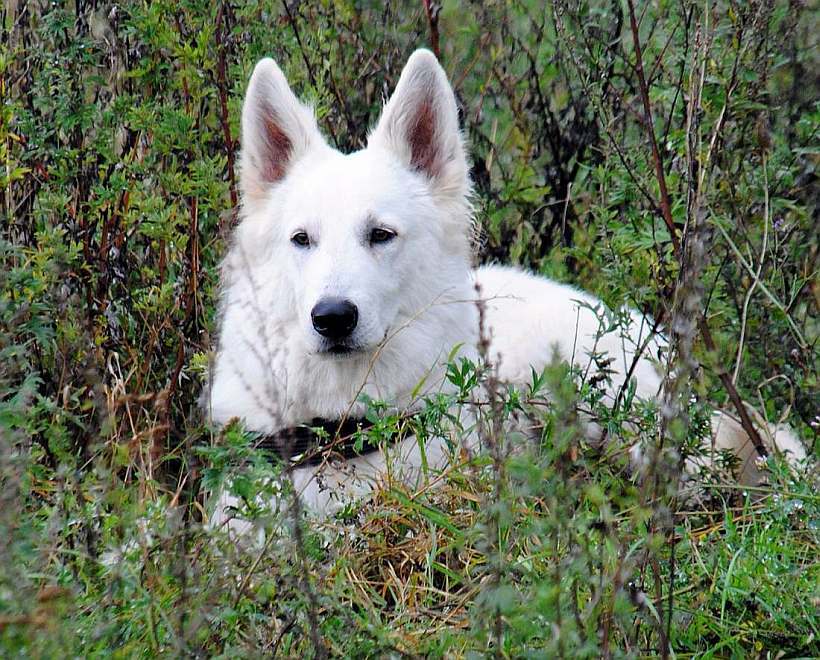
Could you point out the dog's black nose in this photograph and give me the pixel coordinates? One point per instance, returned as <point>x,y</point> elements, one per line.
<point>334,318</point>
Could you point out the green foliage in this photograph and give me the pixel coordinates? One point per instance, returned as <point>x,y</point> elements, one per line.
<point>118,142</point>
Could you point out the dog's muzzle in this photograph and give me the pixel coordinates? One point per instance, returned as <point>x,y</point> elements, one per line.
<point>334,318</point>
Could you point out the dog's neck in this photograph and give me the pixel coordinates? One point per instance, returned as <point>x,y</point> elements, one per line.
<point>317,441</point>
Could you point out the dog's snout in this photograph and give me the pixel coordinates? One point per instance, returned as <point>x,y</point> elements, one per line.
<point>334,318</point>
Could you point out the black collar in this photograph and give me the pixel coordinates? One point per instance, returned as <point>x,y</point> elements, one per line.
<point>316,441</point>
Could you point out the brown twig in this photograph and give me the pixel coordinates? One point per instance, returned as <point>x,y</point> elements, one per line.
<point>432,10</point>
<point>303,52</point>
<point>734,397</point>
<point>666,211</point>
<point>666,208</point>
<point>491,437</point>
<point>319,648</point>
<point>222,88</point>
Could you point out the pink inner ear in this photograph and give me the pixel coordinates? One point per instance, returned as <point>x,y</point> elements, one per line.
<point>421,137</point>
<point>277,149</point>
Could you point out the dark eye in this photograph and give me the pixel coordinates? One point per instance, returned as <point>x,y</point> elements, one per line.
<point>301,239</point>
<point>381,235</point>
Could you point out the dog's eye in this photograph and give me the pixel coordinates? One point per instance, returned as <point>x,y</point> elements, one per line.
<point>381,235</point>
<point>301,239</point>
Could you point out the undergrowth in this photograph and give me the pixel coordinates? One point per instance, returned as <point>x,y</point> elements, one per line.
<point>661,155</point>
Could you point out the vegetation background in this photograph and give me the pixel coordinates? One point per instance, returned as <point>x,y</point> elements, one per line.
<point>660,154</point>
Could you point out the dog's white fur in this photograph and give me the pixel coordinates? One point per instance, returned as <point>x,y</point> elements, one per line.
<point>415,294</point>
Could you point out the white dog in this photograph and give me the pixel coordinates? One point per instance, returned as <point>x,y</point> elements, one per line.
<point>351,275</point>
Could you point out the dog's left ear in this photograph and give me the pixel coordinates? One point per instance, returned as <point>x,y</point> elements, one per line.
<point>419,124</point>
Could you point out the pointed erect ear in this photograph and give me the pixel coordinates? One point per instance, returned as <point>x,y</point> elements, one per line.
<point>277,130</point>
<point>419,124</point>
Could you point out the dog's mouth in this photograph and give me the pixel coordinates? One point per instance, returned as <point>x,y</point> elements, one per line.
<point>348,349</point>
<point>340,350</point>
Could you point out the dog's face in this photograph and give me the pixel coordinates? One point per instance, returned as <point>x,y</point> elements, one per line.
<point>355,245</point>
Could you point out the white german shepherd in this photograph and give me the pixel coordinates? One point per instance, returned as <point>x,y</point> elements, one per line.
<point>351,275</point>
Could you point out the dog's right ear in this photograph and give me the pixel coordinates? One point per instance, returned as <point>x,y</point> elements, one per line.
<point>419,125</point>
<point>277,130</point>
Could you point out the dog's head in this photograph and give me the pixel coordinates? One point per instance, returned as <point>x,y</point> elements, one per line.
<point>356,244</point>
